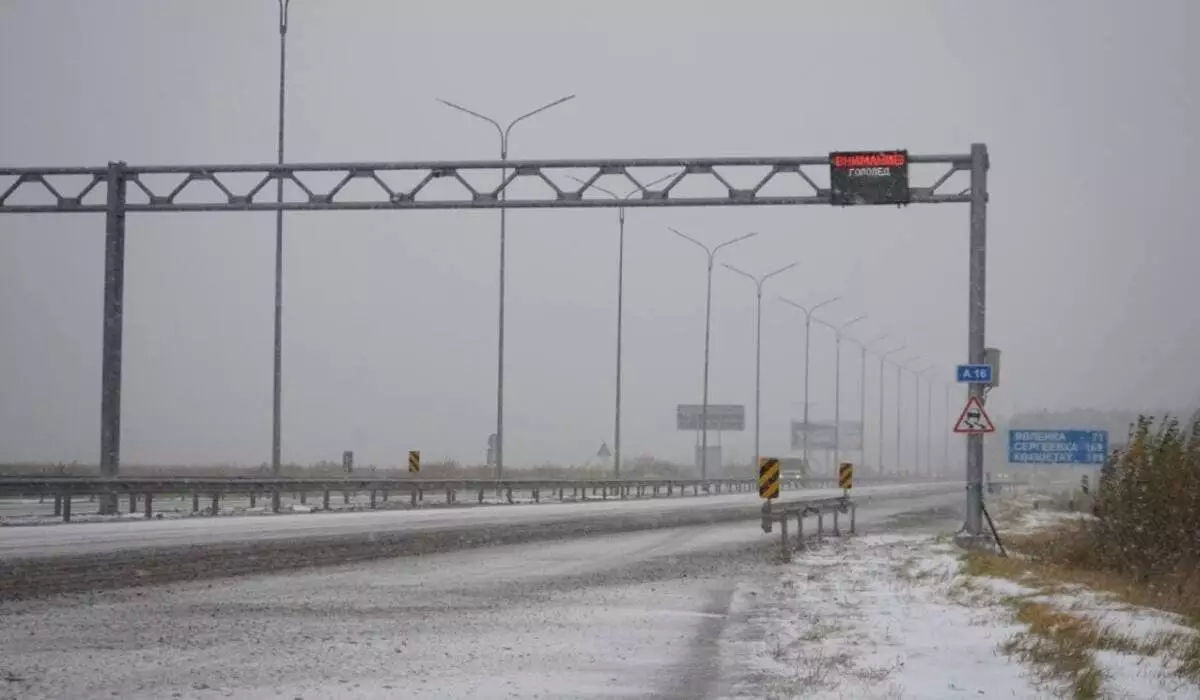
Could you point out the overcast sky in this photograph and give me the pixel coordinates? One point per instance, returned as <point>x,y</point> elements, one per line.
<point>1089,109</point>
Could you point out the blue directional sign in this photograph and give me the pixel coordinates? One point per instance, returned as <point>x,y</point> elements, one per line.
<point>974,374</point>
<point>1057,446</point>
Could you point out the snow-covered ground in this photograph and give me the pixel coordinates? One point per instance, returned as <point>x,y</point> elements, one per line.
<point>895,616</point>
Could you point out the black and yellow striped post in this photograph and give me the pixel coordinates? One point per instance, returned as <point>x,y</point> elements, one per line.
<point>768,477</point>
<point>846,476</point>
<point>414,461</point>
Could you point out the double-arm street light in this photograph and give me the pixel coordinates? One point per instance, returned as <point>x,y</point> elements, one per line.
<point>883,359</point>
<point>712,254</point>
<point>620,299</point>
<point>503,132</point>
<point>758,288</point>
<point>808,317</point>
<point>277,393</point>
<point>838,330</point>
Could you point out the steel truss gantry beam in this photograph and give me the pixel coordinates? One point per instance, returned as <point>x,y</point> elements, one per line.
<point>117,189</point>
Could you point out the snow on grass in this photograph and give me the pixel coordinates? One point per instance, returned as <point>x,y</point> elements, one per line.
<point>899,616</point>
<point>874,617</point>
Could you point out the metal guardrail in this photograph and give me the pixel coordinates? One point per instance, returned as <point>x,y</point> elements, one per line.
<point>782,512</point>
<point>63,488</point>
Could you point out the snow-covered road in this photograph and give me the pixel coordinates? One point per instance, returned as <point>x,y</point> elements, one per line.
<point>625,615</point>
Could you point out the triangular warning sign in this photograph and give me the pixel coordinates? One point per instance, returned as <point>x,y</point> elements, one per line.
<point>974,420</point>
<point>604,450</point>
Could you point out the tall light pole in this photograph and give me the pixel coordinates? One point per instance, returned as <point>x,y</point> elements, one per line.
<point>620,301</point>
<point>808,316</point>
<point>900,404</point>
<point>862,390</point>
<point>917,374</point>
<point>837,384</point>
<point>277,393</point>
<point>882,359</point>
<point>712,254</point>
<point>929,428</point>
<point>758,287</point>
<point>946,439</point>
<point>503,133</point>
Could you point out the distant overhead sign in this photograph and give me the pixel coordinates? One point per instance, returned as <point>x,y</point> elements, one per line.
<point>720,417</point>
<point>604,452</point>
<point>821,435</point>
<point>1057,446</point>
<point>868,177</point>
<point>974,374</point>
<point>974,420</point>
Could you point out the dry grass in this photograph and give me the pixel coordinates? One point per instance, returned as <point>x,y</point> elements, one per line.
<point>1060,647</point>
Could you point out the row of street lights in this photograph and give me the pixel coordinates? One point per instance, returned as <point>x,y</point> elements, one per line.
<point>504,132</point>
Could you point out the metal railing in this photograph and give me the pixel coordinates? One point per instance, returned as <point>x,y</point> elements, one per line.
<point>782,512</point>
<point>63,488</point>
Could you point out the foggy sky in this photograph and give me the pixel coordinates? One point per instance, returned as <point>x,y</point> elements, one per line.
<point>1089,110</point>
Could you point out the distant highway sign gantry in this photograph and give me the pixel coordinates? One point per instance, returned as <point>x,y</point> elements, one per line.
<point>720,417</point>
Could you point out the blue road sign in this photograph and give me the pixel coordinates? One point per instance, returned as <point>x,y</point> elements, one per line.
<point>1057,446</point>
<point>974,374</point>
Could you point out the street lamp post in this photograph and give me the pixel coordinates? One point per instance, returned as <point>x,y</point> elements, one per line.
<point>882,359</point>
<point>946,438</point>
<point>917,415</point>
<point>862,391</point>
<point>929,429</point>
<point>620,301</point>
<point>837,384</point>
<point>503,132</point>
<point>712,254</point>
<point>758,288</point>
<point>900,366</point>
<point>808,312</point>
<point>277,390</point>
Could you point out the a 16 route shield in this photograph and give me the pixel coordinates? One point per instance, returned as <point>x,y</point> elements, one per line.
<point>768,477</point>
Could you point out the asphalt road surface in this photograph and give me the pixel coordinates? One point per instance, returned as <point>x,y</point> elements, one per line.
<point>639,614</point>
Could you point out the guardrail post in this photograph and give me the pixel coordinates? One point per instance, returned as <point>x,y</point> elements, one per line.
<point>195,503</point>
<point>783,531</point>
<point>604,489</point>
<point>670,489</point>
<point>149,508</point>
<point>449,496</point>
<point>853,517</point>
<point>325,500</point>
<point>253,498</point>
<point>537,496</point>
<point>275,500</point>
<point>480,496</point>
<point>132,503</point>
<point>820,526</point>
<point>66,508</point>
<point>345,498</point>
<point>58,499</point>
<point>303,497</point>
<point>560,493</point>
<point>837,531</point>
<point>385,495</point>
<point>372,498</point>
<point>800,530</point>
<point>420,494</point>
<point>508,494</point>
<point>216,503</point>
